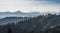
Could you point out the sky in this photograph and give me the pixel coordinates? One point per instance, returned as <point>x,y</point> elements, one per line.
<point>30,5</point>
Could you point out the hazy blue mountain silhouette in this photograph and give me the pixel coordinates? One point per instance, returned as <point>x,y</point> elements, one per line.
<point>10,20</point>
<point>18,14</point>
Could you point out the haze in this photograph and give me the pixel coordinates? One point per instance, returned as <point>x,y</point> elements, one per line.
<point>30,5</point>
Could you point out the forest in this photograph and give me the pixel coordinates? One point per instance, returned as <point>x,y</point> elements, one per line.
<point>41,24</point>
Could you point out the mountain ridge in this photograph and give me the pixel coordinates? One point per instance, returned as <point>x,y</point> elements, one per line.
<point>18,14</point>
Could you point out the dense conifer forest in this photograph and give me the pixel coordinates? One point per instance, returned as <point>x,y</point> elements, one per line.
<point>41,24</point>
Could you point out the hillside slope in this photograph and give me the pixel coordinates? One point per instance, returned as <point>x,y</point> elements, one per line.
<point>35,25</point>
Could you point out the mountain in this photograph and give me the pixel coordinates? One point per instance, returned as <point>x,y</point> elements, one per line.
<point>18,14</point>
<point>40,24</point>
<point>10,20</point>
<point>55,29</point>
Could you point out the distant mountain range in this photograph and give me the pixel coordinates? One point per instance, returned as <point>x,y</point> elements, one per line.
<point>18,14</point>
<point>23,14</point>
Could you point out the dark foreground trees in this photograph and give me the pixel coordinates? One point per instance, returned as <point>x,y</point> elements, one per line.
<point>9,30</point>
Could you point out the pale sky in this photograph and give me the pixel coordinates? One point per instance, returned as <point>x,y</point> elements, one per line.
<point>30,5</point>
